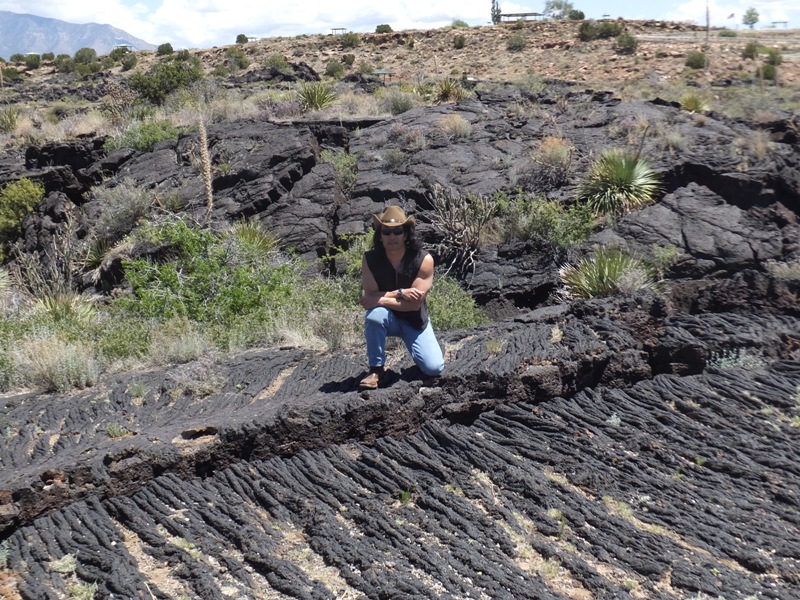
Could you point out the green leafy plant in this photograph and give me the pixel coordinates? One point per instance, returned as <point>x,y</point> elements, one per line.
<point>751,50</point>
<point>128,61</point>
<point>396,161</point>
<point>277,61</point>
<point>164,78</point>
<point>349,39</point>
<point>236,59</point>
<point>618,182</point>
<point>33,61</point>
<point>773,56</point>
<point>345,166</point>
<point>448,90</point>
<point>17,199</point>
<point>85,56</point>
<point>727,33</point>
<point>115,430</point>
<point>459,24</point>
<point>451,307</point>
<point>459,41</point>
<point>766,72</point>
<point>610,270</point>
<point>83,591</point>
<point>241,39</point>
<point>315,95</point>
<point>524,216</point>
<point>143,136</point>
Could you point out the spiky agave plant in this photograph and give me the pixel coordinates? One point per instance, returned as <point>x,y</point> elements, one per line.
<point>67,306</point>
<point>694,103</point>
<point>610,270</point>
<point>315,95</point>
<point>618,182</point>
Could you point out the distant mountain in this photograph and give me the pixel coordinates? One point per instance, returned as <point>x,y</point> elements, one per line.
<point>21,33</point>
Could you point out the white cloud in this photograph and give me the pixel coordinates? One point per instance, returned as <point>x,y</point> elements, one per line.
<point>769,11</point>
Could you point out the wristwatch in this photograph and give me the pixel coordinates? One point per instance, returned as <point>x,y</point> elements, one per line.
<point>400,294</point>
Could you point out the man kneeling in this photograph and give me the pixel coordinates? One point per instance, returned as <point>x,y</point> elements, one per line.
<point>396,277</point>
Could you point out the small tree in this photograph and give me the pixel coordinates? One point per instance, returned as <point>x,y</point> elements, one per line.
<point>241,39</point>
<point>383,28</point>
<point>495,12</point>
<point>85,56</point>
<point>164,49</point>
<point>33,61</point>
<point>750,17</point>
<point>558,9</point>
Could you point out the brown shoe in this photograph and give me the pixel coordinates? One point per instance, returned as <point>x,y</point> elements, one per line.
<point>373,379</point>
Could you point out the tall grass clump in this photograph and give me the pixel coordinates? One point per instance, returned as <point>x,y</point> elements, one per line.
<point>618,182</point>
<point>455,126</point>
<point>610,270</point>
<point>9,118</point>
<point>142,136</point>
<point>315,95</point>
<point>396,101</point>
<point>552,162</point>
<point>694,102</point>
<point>54,364</point>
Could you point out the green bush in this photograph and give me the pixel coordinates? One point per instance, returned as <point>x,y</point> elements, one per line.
<point>459,24</point>
<point>459,41</point>
<point>11,74</point>
<point>236,59</point>
<point>315,95</point>
<point>56,365</point>
<point>751,50</point>
<point>727,33</point>
<point>609,29</point>
<point>348,59</point>
<point>9,117</point>
<point>143,136</point>
<point>587,31</point>
<point>345,166</point>
<point>85,56</point>
<point>164,49</point>
<point>349,40</point>
<point>128,61</point>
<point>33,61</point>
<point>524,216</point>
<point>627,43</point>
<point>17,57</point>
<point>773,56</point>
<point>515,43</point>
<point>164,78</point>
<point>766,72</point>
<point>609,271</point>
<point>64,63</point>
<point>696,60</point>
<point>241,39</point>
<point>383,28</point>
<point>48,56</point>
<point>450,307</point>
<point>17,199</point>
<point>334,68</point>
<point>618,182</point>
<point>277,61</point>
<point>397,101</point>
<point>575,15</point>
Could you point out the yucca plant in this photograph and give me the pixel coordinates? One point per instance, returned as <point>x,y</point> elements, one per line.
<point>609,271</point>
<point>315,95</point>
<point>694,102</point>
<point>448,90</point>
<point>64,306</point>
<point>618,182</point>
<point>255,237</point>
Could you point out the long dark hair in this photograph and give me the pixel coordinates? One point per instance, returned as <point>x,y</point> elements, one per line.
<point>413,245</point>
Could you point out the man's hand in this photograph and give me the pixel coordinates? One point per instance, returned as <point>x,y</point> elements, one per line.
<point>413,294</point>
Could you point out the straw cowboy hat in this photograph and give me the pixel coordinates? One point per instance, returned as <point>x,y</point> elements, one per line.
<point>392,216</point>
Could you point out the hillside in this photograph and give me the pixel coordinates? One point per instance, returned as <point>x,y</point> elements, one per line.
<point>180,409</point>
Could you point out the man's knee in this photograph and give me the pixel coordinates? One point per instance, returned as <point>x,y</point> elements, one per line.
<point>377,316</point>
<point>432,368</point>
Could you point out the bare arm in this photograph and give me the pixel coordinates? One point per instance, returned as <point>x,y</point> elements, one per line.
<point>413,297</point>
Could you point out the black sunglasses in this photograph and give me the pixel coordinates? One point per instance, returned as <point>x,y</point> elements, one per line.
<point>393,231</point>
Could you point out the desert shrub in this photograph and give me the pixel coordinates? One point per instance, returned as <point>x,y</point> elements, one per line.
<point>9,118</point>
<point>349,40</point>
<point>773,56</point>
<point>694,102</point>
<point>122,206</point>
<point>515,43</point>
<point>17,199</point>
<point>696,60</point>
<point>751,50</point>
<point>575,15</point>
<point>33,61</point>
<point>277,61</point>
<point>241,39</point>
<point>455,126</point>
<point>552,161</point>
<point>348,59</point>
<point>345,165</point>
<point>587,31</point>
<point>117,54</point>
<point>315,95</point>
<point>618,182</point>
<point>365,68</point>
<point>236,59</point>
<point>459,41</point>
<point>128,61</point>
<point>384,28</point>
<point>143,136</point>
<point>727,33</point>
<point>459,24</point>
<point>451,307</point>
<point>767,72</point>
<point>608,29</point>
<point>524,216</point>
<point>610,270</point>
<point>54,364</point>
<point>396,161</point>
<point>626,43</point>
<point>85,56</point>
<point>164,78</point>
<point>177,340</point>
<point>17,57</point>
<point>164,49</point>
<point>334,68</point>
<point>11,73</point>
<point>397,101</point>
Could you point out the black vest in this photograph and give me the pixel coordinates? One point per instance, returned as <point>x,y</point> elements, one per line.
<point>388,279</point>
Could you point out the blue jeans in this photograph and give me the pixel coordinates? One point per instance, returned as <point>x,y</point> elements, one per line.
<point>381,323</point>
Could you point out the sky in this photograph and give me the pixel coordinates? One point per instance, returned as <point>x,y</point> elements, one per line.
<point>206,23</point>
